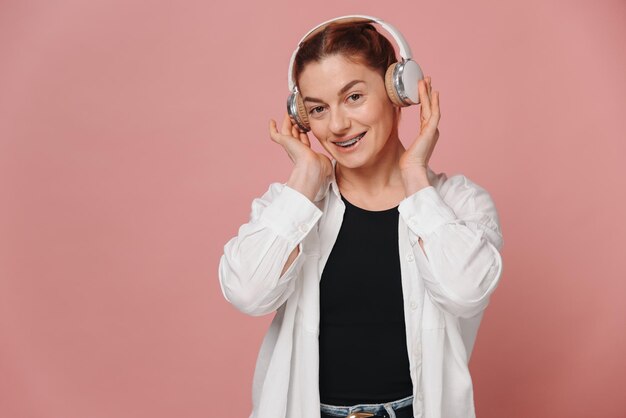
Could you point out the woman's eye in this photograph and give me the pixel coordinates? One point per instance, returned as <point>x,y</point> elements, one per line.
<point>358,96</point>
<point>314,110</point>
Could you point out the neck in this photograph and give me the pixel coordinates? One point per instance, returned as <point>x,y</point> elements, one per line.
<point>382,173</point>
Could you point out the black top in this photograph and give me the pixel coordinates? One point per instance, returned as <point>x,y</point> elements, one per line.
<point>363,353</point>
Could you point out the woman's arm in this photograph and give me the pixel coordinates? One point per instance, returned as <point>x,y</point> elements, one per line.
<point>456,238</point>
<point>259,266</point>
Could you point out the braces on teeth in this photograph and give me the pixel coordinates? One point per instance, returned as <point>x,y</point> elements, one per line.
<point>351,141</point>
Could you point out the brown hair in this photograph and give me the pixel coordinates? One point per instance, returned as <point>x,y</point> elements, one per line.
<point>357,41</point>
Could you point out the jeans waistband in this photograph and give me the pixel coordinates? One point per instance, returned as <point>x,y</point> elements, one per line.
<point>375,408</point>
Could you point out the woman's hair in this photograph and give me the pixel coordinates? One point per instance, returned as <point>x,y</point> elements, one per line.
<point>359,42</point>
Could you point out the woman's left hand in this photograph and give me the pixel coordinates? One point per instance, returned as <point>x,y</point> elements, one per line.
<point>417,155</point>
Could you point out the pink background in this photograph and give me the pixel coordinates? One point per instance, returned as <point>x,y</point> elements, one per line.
<point>133,138</point>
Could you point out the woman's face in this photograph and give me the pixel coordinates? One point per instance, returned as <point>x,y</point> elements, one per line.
<point>344,99</point>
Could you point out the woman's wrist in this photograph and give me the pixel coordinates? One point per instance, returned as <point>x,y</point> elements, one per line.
<point>300,180</point>
<point>414,179</point>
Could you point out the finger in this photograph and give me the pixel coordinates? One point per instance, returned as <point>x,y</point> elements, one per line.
<point>424,100</point>
<point>281,140</point>
<point>286,128</point>
<point>436,110</point>
<point>302,136</point>
<point>274,135</point>
<point>295,132</point>
<point>430,92</point>
<point>305,139</point>
<point>431,126</point>
<point>435,114</point>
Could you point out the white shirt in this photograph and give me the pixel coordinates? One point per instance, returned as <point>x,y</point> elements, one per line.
<point>445,291</point>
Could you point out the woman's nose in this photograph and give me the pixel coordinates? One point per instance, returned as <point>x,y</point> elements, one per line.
<point>339,122</point>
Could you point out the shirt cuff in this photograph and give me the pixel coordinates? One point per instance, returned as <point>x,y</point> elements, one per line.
<point>424,211</point>
<point>291,215</point>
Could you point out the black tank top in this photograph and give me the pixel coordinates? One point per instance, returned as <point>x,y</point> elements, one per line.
<point>363,353</point>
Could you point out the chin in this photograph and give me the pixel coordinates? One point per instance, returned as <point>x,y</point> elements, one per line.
<point>350,161</point>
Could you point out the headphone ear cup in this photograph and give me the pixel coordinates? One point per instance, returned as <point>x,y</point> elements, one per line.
<point>302,115</point>
<point>390,86</point>
<point>297,111</point>
<point>401,81</point>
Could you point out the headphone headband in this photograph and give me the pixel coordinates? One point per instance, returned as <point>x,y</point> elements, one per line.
<point>405,50</point>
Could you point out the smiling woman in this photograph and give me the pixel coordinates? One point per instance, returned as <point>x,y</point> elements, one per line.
<point>367,322</point>
<point>345,110</point>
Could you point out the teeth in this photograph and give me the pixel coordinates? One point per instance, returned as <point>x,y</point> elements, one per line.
<point>350,141</point>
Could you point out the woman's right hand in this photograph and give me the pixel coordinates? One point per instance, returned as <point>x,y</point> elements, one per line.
<point>310,168</point>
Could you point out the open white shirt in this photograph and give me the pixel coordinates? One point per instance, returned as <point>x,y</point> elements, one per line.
<point>445,291</point>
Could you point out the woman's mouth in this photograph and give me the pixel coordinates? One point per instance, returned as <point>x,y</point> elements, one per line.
<point>350,142</point>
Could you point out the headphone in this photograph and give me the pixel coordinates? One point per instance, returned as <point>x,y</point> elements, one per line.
<point>401,77</point>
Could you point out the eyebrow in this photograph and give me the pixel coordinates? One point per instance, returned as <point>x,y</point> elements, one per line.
<point>342,91</point>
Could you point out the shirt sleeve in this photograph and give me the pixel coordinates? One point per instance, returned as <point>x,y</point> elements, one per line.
<point>249,269</point>
<point>461,263</point>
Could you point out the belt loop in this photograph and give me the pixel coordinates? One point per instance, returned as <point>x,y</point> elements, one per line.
<point>390,411</point>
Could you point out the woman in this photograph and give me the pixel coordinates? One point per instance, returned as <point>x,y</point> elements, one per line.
<point>379,270</point>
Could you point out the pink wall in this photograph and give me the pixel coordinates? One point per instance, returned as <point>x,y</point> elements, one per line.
<point>133,138</point>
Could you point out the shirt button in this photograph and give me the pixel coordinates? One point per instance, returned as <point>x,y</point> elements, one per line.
<point>303,228</point>
<point>410,257</point>
<point>413,305</point>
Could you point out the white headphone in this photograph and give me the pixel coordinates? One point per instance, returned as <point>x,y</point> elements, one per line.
<point>401,77</point>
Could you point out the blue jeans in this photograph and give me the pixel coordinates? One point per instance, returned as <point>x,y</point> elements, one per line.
<point>387,409</point>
